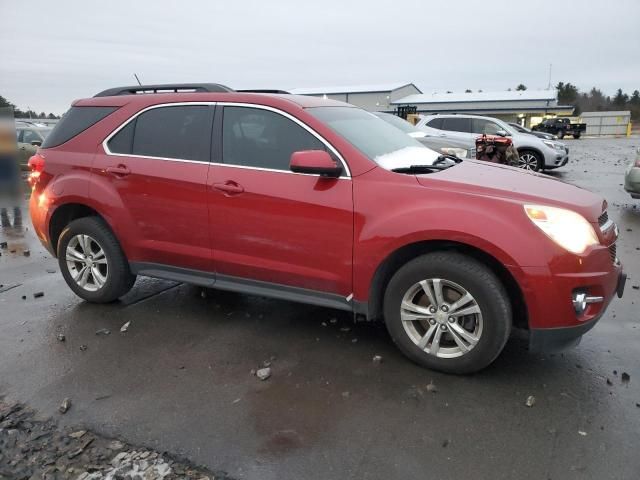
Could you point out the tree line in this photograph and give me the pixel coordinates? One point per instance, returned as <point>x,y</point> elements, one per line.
<point>595,100</point>
<point>17,113</point>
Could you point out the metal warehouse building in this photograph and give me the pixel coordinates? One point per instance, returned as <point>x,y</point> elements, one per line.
<point>525,107</point>
<point>375,98</point>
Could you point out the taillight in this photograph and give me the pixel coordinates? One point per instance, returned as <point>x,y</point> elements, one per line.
<point>36,166</point>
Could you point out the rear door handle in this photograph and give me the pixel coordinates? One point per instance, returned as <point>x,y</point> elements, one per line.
<point>118,171</point>
<point>229,187</point>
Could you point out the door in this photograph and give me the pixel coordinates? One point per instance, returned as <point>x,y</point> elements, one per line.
<point>457,127</point>
<point>268,223</point>
<point>26,147</point>
<point>156,165</point>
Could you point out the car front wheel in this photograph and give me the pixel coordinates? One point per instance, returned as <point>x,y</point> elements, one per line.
<point>448,312</point>
<point>529,160</point>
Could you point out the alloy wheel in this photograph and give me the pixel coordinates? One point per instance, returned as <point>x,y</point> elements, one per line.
<point>87,262</point>
<point>441,317</point>
<point>528,161</point>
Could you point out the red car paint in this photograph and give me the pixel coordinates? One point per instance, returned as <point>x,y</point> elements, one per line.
<point>322,234</point>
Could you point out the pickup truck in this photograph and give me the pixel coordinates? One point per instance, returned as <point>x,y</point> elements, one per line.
<point>561,127</point>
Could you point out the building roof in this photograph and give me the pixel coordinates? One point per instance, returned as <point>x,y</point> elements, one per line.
<point>507,96</point>
<point>332,90</point>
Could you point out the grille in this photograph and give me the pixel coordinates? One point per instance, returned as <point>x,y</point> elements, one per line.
<point>604,218</point>
<point>612,252</point>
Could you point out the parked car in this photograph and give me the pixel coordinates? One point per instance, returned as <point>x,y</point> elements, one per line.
<point>317,201</point>
<point>561,127</point>
<point>449,146</point>
<point>632,177</point>
<point>519,128</point>
<point>535,153</point>
<point>29,139</point>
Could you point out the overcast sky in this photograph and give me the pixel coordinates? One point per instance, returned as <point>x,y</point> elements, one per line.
<point>52,52</point>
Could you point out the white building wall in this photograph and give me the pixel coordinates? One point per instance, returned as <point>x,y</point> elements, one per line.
<point>606,123</point>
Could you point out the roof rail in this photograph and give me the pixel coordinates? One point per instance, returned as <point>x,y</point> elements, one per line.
<point>263,90</point>
<point>164,88</point>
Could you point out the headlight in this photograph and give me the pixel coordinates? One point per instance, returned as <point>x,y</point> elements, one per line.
<point>568,229</point>
<point>554,145</point>
<point>458,152</point>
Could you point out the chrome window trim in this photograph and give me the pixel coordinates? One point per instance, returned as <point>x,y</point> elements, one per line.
<point>295,120</point>
<point>108,152</point>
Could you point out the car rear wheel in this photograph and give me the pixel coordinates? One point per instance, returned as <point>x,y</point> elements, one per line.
<point>92,262</point>
<point>576,136</point>
<point>448,312</point>
<point>529,160</point>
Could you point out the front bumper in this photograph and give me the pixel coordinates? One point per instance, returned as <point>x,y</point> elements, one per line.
<point>549,340</point>
<point>632,181</point>
<point>555,158</point>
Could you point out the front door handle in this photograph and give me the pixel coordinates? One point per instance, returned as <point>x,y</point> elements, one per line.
<point>118,171</point>
<point>229,187</point>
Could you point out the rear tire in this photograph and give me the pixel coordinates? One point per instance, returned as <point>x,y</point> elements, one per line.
<point>576,136</point>
<point>92,261</point>
<point>560,134</point>
<point>482,334</point>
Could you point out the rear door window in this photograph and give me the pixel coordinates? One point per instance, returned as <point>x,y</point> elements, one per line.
<point>457,124</point>
<point>178,132</point>
<point>75,121</point>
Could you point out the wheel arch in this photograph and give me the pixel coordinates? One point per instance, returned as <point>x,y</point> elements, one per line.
<point>65,214</point>
<point>406,253</point>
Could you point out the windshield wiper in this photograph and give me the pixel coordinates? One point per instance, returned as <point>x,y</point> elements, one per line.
<point>441,163</point>
<point>420,168</point>
<point>445,156</point>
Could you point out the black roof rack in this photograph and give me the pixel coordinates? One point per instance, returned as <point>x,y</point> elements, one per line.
<point>164,88</point>
<point>263,90</point>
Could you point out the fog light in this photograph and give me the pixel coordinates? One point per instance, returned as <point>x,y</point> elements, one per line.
<point>581,300</point>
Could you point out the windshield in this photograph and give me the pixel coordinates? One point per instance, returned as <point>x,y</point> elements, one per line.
<point>383,143</point>
<point>397,122</point>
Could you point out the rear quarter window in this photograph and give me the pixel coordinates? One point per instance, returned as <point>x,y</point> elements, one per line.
<point>74,122</point>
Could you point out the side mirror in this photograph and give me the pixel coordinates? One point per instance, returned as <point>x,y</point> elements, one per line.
<point>502,133</point>
<point>36,143</point>
<point>316,162</point>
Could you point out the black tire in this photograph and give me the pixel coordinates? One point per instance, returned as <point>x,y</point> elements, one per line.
<point>538,166</point>
<point>119,278</point>
<point>560,134</point>
<point>479,281</point>
<point>576,136</point>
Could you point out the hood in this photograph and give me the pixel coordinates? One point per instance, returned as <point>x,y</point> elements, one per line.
<point>522,186</point>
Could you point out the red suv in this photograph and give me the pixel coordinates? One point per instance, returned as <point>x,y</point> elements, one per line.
<point>317,201</point>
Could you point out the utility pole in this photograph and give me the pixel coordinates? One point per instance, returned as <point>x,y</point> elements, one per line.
<point>549,84</point>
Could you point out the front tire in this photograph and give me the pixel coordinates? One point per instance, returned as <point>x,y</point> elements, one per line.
<point>92,261</point>
<point>529,160</point>
<point>576,136</point>
<point>560,134</point>
<point>448,312</point>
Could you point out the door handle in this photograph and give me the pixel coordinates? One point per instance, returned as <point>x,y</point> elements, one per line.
<point>229,187</point>
<point>118,171</point>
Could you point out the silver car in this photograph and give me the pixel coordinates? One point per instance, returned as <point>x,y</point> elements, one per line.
<point>458,148</point>
<point>632,178</point>
<point>535,153</point>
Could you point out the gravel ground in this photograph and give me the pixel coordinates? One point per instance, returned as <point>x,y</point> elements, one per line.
<point>33,448</point>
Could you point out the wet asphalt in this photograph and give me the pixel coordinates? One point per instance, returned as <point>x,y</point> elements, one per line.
<point>179,380</point>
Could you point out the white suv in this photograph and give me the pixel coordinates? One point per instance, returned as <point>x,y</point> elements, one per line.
<point>535,153</point>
